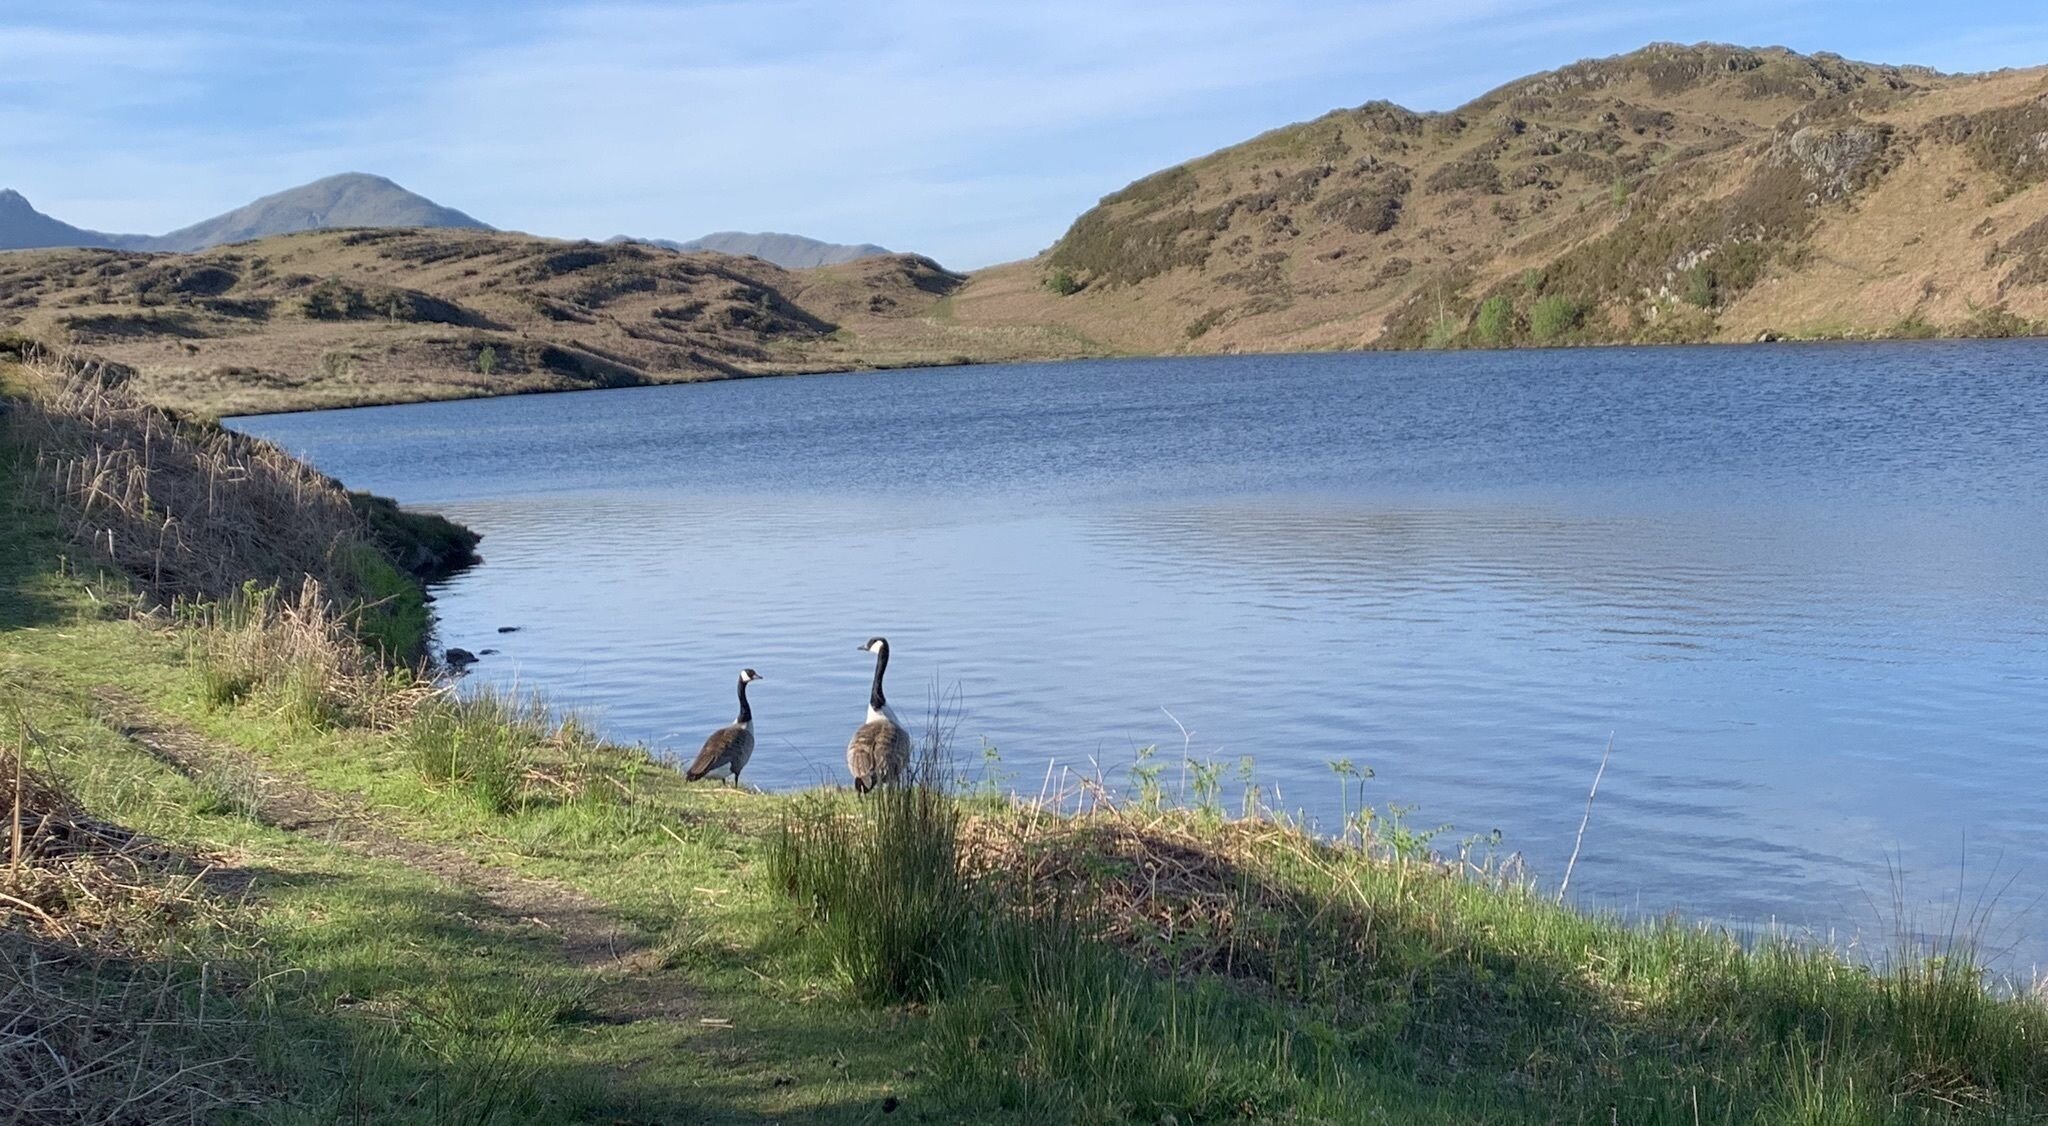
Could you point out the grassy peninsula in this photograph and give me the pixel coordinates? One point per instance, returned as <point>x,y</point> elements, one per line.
<point>260,867</point>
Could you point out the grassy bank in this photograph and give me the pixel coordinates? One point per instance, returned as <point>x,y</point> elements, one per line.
<point>269,875</point>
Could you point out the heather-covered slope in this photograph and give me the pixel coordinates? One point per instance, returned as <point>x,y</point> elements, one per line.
<point>336,318</point>
<point>1673,194</point>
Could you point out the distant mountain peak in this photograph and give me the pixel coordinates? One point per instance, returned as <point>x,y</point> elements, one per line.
<point>22,227</point>
<point>791,252</point>
<point>346,199</point>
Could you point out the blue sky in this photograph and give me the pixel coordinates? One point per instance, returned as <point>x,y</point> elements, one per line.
<point>970,131</point>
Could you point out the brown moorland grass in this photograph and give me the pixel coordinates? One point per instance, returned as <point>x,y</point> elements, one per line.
<point>345,318</point>
<point>196,513</point>
<point>101,1019</point>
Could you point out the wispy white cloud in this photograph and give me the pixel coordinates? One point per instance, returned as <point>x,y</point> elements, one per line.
<point>973,131</point>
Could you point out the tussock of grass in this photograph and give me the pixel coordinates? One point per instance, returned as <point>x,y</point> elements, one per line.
<point>297,657</point>
<point>513,754</point>
<point>885,884</point>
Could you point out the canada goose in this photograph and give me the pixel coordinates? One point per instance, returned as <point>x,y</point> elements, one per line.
<point>725,754</point>
<point>879,751</point>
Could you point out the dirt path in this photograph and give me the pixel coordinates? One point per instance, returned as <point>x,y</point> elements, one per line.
<point>635,985</point>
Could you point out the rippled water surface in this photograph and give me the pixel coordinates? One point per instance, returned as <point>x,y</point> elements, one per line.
<point>1805,589</point>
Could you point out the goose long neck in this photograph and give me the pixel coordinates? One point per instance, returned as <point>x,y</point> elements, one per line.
<point>746,713</point>
<point>875,697</point>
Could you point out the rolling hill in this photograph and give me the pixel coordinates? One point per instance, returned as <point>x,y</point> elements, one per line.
<point>336,318</point>
<point>1703,193</point>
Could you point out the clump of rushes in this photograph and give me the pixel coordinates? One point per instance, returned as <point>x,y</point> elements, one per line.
<point>295,656</point>
<point>884,882</point>
<point>466,744</point>
<point>513,754</point>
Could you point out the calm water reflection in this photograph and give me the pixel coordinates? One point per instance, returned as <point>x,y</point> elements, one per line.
<point>1803,587</point>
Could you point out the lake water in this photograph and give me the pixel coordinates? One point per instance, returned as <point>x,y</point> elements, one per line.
<point>1804,588</point>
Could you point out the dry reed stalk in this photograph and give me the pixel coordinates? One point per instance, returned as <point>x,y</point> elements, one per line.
<point>14,839</point>
<point>203,518</point>
<point>1586,817</point>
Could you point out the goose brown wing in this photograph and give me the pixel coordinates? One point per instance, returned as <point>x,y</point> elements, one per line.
<point>725,746</point>
<point>877,753</point>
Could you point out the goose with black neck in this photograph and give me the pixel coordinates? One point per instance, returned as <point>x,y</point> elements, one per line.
<point>879,752</point>
<point>726,752</point>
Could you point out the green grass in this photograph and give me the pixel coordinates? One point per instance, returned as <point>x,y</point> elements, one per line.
<point>365,990</point>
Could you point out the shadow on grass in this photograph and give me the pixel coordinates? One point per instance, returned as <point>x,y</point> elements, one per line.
<point>30,547</point>
<point>422,1003</point>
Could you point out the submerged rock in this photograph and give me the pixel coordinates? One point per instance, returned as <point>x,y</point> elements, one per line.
<point>457,658</point>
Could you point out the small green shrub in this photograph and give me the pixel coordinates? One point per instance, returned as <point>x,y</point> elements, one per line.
<point>1496,321</point>
<point>1700,287</point>
<point>487,360</point>
<point>1555,316</point>
<point>1062,281</point>
<point>1995,323</point>
<point>1912,326</point>
<point>337,300</point>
